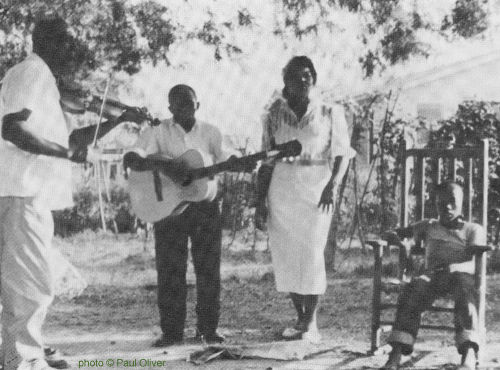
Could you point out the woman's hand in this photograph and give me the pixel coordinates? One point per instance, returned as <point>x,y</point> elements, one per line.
<point>328,197</point>
<point>261,213</point>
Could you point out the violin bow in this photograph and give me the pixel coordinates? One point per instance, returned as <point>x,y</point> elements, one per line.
<point>99,170</point>
<point>101,111</point>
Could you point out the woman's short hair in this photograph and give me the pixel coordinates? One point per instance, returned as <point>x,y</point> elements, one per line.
<point>296,63</point>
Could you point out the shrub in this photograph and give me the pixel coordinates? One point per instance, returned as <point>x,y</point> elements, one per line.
<point>85,213</point>
<point>474,121</point>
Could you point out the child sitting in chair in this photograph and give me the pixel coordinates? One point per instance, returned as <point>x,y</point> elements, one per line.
<point>449,270</point>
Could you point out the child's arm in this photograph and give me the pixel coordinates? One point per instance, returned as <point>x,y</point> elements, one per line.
<point>393,237</point>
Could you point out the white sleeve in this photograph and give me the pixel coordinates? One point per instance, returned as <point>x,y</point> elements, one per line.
<point>219,155</point>
<point>24,88</point>
<point>340,138</point>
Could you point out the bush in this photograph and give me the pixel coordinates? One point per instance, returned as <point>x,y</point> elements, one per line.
<point>237,193</point>
<point>474,121</point>
<point>85,214</point>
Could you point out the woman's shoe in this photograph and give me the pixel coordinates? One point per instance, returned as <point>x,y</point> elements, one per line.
<point>291,334</point>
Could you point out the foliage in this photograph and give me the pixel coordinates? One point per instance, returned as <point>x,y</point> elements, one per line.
<point>474,121</point>
<point>123,35</point>
<point>238,191</point>
<point>400,43</point>
<point>469,18</point>
<point>115,33</point>
<point>85,213</point>
<point>389,28</point>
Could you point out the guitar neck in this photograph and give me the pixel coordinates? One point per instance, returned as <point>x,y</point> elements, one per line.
<point>210,171</point>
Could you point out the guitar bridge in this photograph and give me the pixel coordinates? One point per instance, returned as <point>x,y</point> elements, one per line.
<point>157,184</point>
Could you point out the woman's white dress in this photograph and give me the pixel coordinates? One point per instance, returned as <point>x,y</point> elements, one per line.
<point>297,228</point>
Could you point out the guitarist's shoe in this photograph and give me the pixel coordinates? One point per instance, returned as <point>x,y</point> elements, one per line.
<point>212,338</point>
<point>166,341</point>
<point>54,358</point>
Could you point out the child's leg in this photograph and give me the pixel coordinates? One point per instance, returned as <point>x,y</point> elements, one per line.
<point>416,297</point>
<point>466,311</point>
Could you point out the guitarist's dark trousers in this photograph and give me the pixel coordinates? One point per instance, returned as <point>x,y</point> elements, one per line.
<point>202,223</point>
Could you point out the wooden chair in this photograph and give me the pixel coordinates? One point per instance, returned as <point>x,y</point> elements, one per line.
<point>444,164</point>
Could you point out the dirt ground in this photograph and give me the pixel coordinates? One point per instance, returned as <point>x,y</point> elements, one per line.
<point>117,314</point>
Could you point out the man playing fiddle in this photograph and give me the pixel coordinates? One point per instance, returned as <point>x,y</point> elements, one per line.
<point>35,155</point>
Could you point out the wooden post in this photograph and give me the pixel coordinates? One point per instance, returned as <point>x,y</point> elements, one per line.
<point>97,168</point>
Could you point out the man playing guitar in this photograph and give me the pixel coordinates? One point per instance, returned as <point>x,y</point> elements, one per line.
<point>200,221</point>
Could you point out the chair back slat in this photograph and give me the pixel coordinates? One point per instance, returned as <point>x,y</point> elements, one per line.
<point>437,170</point>
<point>420,187</point>
<point>452,169</point>
<point>484,183</point>
<point>405,185</point>
<point>468,191</point>
<point>449,159</point>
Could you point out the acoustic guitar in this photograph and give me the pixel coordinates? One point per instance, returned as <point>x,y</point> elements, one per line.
<point>157,194</point>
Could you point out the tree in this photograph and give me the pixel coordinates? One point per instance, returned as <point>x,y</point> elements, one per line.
<point>390,28</point>
<point>468,19</point>
<point>113,33</point>
<point>122,35</point>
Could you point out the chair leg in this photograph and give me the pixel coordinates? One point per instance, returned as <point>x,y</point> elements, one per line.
<point>376,299</point>
<point>480,276</point>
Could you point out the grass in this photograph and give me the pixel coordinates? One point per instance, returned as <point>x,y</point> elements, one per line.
<point>122,292</point>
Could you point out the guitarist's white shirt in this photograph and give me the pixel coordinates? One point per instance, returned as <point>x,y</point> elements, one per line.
<point>170,140</point>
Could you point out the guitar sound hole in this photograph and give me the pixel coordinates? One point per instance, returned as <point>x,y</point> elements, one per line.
<point>187,180</point>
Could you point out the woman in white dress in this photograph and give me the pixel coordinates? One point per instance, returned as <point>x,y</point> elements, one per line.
<point>297,195</point>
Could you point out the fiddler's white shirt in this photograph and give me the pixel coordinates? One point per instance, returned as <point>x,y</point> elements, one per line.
<point>31,85</point>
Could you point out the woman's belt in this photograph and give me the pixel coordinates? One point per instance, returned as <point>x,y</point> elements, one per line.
<point>298,161</point>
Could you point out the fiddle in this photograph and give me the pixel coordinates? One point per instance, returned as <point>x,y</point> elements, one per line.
<point>75,100</point>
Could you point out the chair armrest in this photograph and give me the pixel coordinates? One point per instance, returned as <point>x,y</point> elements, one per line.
<point>376,244</point>
<point>478,250</point>
<point>417,250</point>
